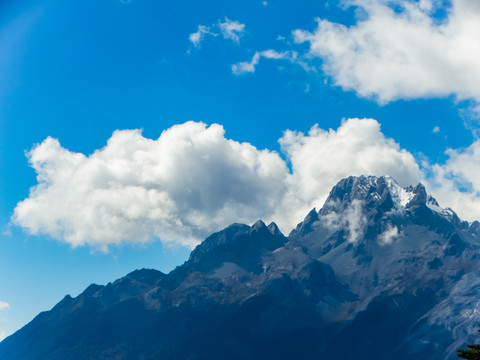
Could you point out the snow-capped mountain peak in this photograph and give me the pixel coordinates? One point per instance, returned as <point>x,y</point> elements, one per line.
<point>381,268</point>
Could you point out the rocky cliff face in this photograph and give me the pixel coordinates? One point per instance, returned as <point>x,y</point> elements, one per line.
<point>380,272</point>
<point>407,259</point>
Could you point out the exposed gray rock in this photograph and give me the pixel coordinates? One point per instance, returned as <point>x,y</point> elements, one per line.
<point>379,272</point>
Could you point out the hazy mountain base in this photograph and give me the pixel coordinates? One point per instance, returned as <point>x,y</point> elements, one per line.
<point>379,272</point>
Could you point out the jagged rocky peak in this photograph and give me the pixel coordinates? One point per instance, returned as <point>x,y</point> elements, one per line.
<point>366,206</point>
<point>307,225</point>
<point>359,188</point>
<point>274,230</point>
<point>238,243</point>
<point>359,196</point>
<point>418,196</point>
<point>377,256</point>
<point>381,192</point>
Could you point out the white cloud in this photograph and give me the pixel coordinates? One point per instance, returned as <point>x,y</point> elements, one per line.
<point>197,37</point>
<point>249,66</point>
<point>457,182</point>
<point>322,157</point>
<point>390,54</point>
<point>231,29</point>
<point>351,217</point>
<point>180,187</point>
<point>436,129</point>
<point>356,221</point>
<point>390,234</point>
<point>4,305</point>
<point>246,66</point>
<point>192,181</point>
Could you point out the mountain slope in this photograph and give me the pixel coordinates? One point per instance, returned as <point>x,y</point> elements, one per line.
<point>380,272</point>
<point>405,258</point>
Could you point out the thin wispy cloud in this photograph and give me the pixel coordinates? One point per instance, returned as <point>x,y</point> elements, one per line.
<point>3,335</point>
<point>197,37</point>
<point>228,29</point>
<point>231,29</point>
<point>249,66</point>
<point>3,307</point>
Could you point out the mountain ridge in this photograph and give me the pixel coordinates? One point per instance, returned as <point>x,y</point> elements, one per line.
<point>374,267</point>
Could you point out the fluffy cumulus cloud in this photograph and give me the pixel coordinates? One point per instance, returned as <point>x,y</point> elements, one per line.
<point>457,182</point>
<point>322,157</point>
<point>249,66</point>
<point>192,181</point>
<point>402,49</point>
<point>179,188</point>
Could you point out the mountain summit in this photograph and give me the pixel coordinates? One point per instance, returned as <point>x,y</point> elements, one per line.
<point>379,272</point>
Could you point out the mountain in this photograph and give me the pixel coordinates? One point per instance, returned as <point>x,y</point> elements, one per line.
<point>379,272</point>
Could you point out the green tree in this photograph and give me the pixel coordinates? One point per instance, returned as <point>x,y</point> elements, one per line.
<point>473,352</point>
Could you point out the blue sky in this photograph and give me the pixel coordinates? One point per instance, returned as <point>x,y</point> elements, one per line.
<point>74,75</point>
